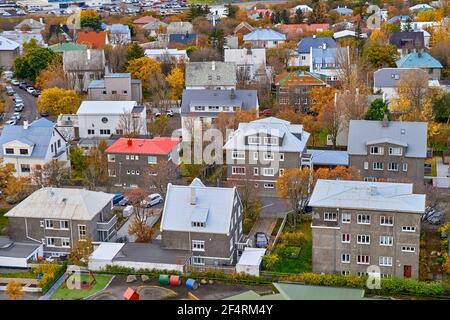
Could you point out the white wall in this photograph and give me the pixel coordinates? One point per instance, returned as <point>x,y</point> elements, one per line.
<point>97,265</point>
<point>251,270</point>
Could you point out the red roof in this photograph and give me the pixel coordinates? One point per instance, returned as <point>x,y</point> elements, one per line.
<point>145,20</point>
<point>93,39</point>
<point>155,146</point>
<point>303,27</point>
<point>130,294</point>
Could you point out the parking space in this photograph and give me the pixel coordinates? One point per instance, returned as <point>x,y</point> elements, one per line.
<point>29,111</point>
<point>265,225</point>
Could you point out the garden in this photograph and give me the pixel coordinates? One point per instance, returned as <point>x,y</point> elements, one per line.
<point>90,285</point>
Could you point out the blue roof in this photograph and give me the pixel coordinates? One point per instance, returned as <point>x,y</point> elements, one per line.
<point>182,38</point>
<point>38,133</point>
<point>264,34</point>
<point>418,60</point>
<point>306,43</point>
<point>328,157</point>
<point>343,10</point>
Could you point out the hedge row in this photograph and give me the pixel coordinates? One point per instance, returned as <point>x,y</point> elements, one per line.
<point>58,274</point>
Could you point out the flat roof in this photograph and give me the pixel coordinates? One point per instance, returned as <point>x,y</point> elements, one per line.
<point>151,252</point>
<point>11,249</point>
<point>251,256</point>
<point>106,251</point>
<point>328,157</point>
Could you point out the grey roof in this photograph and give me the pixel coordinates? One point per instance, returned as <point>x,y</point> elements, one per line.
<point>154,25</point>
<point>179,213</point>
<point>78,60</point>
<point>313,42</point>
<point>61,203</point>
<point>343,10</point>
<point>264,34</point>
<point>97,84</point>
<point>178,27</point>
<point>328,157</point>
<point>150,252</point>
<point>413,134</point>
<point>7,44</point>
<point>326,56</point>
<point>211,73</point>
<point>30,22</point>
<point>362,195</point>
<point>295,291</point>
<point>404,38</point>
<point>389,77</point>
<point>12,249</point>
<point>38,134</point>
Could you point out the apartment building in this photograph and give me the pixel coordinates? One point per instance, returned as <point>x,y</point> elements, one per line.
<point>215,75</point>
<point>116,86</point>
<point>358,224</point>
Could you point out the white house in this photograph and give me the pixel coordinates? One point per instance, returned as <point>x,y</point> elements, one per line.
<point>219,11</point>
<point>303,7</point>
<point>250,63</point>
<point>32,144</point>
<point>167,55</point>
<point>100,119</point>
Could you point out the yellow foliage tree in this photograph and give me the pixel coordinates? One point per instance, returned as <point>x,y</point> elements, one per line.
<point>176,82</point>
<point>379,36</point>
<point>295,185</point>
<point>143,69</point>
<point>320,97</point>
<point>52,76</point>
<point>14,290</point>
<point>80,252</point>
<point>430,15</point>
<point>58,101</point>
<point>16,186</point>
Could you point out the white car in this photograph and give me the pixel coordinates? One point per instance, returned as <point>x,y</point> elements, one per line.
<point>12,122</point>
<point>30,90</point>
<point>153,199</point>
<point>15,82</point>
<point>128,211</point>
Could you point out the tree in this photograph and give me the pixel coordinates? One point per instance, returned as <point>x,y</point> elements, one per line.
<point>175,79</point>
<point>197,11</point>
<point>159,175</point>
<point>80,252</point>
<point>130,125</point>
<point>90,20</point>
<point>232,10</point>
<point>412,91</point>
<point>78,162</point>
<point>50,174</point>
<point>135,51</point>
<point>270,260</point>
<point>338,173</point>
<point>159,90</point>
<point>251,204</point>
<point>17,188</point>
<point>143,69</point>
<point>441,105</point>
<point>299,16</point>
<point>319,13</point>
<point>332,117</point>
<point>377,109</point>
<point>116,57</point>
<point>32,61</point>
<point>6,173</point>
<point>58,101</point>
<point>52,76</point>
<point>380,56</point>
<point>319,97</point>
<point>96,171</point>
<point>14,290</point>
<point>216,39</point>
<point>139,226</point>
<point>205,54</point>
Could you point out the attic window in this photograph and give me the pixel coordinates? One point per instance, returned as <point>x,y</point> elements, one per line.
<point>198,224</point>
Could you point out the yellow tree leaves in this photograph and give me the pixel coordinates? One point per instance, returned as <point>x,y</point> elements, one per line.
<point>14,290</point>
<point>52,76</point>
<point>143,69</point>
<point>320,97</point>
<point>58,101</point>
<point>176,82</point>
<point>430,15</point>
<point>80,252</point>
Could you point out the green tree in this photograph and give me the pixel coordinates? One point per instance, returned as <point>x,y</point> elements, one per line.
<point>441,106</point>
<point>135,51</point>
<point>376,110</point>
<point>91,22</point>
<point>32,61</point>
<point>380,56</point>
<point>197,11</point>
<point>232,10</point>
<point>216,39</point>
<point>78,162</point>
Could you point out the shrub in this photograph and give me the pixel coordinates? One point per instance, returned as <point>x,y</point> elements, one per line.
<point>270,260</point>
<point>296,238</point>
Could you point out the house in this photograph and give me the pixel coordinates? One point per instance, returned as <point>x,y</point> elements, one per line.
<point>305,45</point>
<point>297,30</point>
<point>257,14</point>
<point>206,221</point>
<point>180,27</point>
<point>407,42</point>
<point>23,36</point>
<point>118,33</point>
<point>260,151</point>
<point>67,46</point>
<point>422,60</point>
<point>358,224</point>
<point>116,86</point>
<point>145,20</point>
<point>419,25</point>
<point>182,38</point>
<point>346,34</point>
<point>201,107</point>
<point>243,28</point>
<point>155,27</point>
<point>327,61</point>
<point>167,55</point>
<point>386,80</point>
<point>302,7</point>
<point>18,254</point>
<point>30,25</point>
<point>215,75</point>
<point>9,51</point>
<point>231,42</point>
<point>60,32</point>
<point>250,63</point>
<point>392,151</point>
<point>264,38</point>
<point>93,39</point>
<point>130,160</point>
<point>31,145</point>
<point>59,217</point>
<point>100,119</point>
<point>250,261</point>
<point>420,7</point>
<point>292,88</point>
<point>83,66</point>
<point>343,11</point>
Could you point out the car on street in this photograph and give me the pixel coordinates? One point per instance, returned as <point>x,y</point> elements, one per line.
<point>266,113</point>
<point>16,115</point>
<point>12,121</point>
<point>23,85</point>
<point>36,93</point>
<point>18,107</point>
<point>168,113</point>
<point>9,91</point>
<point>261,240</point>
<point>30,90</point>
<point>152,200</point>
<point>124,202</point>
<point>15,82</point>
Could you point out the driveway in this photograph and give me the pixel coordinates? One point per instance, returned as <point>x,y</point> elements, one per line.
<point>442,179</point>
<point>265,225</point>
<point>152,219</point>
<point>273,207</point>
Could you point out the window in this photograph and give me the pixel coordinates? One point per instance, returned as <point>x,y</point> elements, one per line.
<point>238,170</point>
<point>385,261</point>
<point>198,224</point>
<point>408,249</point>
<point>198,260</point>
<point>91,131</point>
<point>268,156</point>
<point>137,172</point>
<point>269,185</point>
<point>395,151</point>
<point>238,155</point>
<point>152,160</point>
<point>24,152</point>
<point>363,219</point>
<point>362,274</point>
<point>346,217</point>
<point>111,158</point>
<point>366,165</point>
<point>231,244</point>
<point>81,232</point>
<point>330,216</point>
<point>104,92</point>
<point>136,157</point>
<point>111,172</point>
<point>408,229</point>
<point>392,166</point>
<point>25,168</point>
<point>199,108</point>
<point>9,150</point>
<point>64,224</point>
<point>386,240</point>
<point>254,140</point>
<point>198,245</point>
<point>125,92</point>
<point>255,171</point>
<point>113,91</point>
<point>49,224</point>
<point>131,157</point>
<point>362,259</point>
<point>377,166</point>
<point>59,143</point>
<point>363,239</point>
<point>346,238</point>
<point>386,221</point>
<point>345,258</point>
<point>65,242</point>
<point>281,156</point>
<point>405,167</point>
<point>50,242</point>
<point>271,141</point>
<point>268,172</point>
<point>128,172</point>
<point>345,272</point>
<point>377,150</point>
<point>281,172</point>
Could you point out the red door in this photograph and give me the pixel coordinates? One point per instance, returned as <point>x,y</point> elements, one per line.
<point>407,271</point>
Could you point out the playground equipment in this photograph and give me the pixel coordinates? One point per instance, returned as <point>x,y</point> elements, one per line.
<point>175,280</point>
<point>131,294</point>
<point>191,284</point>
<point>78,278</point>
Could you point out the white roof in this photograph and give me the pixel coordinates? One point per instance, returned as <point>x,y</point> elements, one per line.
<point>174,52</point>
<point>105,107</point>
<point>7,44</point>
<point>347,33</point>
<point>212,203</point>
<point>106,251</point>
<point>272,126</point>
<point>383,196</point>
<point>246,56</point>
<point>252,256</point>
<point>61,203</point>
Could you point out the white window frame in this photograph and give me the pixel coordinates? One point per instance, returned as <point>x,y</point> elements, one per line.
<point>82,231</point>
<point>346,217</point>
<point>362,256</point>
<point>268,142</point>
<point>111,157</point>
<point>386,221</point>
<point>152,157</point>
<point>254,140</point>
<point>405,167</point>
<point>255,171</point>
<point>408,229</point>
<point>67,240</point>
<point>268,172</point>
<point>363,239</point>
<point>330,216</point>
<point>238,155</point>
<point>199,261</point>
<point>267,157</point>
<point>280,171</point>
<point>392,153</point>
<point>198,245</point>
<point>235,172</point>
<point>269,185</point>
<point>385,261</point>
<point>366,165</point>
<point>345,258</point>
<point>386,241</point>
<point>391,166</point>
<point>408,248</point>
<point>380,150</point>
<point>363,221</point>
<point>281,156</point>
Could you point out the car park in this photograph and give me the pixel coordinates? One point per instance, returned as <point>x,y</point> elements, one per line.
<point>23,85</point>
<point>152,200</point>
<point>261,240</point>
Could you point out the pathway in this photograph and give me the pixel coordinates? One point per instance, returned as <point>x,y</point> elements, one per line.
<point>442,179</point>
<point>265,225</point>
<point>55,286</point>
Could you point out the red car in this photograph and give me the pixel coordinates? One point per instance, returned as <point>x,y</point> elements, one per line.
<point>266,113</point>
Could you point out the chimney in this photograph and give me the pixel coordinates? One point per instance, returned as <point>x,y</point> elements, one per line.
<point>213,66</point>
<point>129,142</point>
<point>385,122</point>
<point>193,197</point>
<point>232,94</point>
<point>324,46</point>
<point>88,53</point>
<point>25,124</point>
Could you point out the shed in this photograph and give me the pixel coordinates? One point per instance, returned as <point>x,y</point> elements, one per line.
<point>130,294</point>
<point>18,254</point>
<point>104,254</point>
<point>250,261</point>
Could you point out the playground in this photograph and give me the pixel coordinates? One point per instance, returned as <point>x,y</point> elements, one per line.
<point>80,286</point>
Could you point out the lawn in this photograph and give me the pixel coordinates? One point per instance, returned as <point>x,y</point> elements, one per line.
<point>64,293</point>
<point>27,274</point>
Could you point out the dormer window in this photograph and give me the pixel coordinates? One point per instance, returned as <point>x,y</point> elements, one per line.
<point>24,152</point>
<point>254,140</point>
<point>9,150</point>
<point>197,224</point>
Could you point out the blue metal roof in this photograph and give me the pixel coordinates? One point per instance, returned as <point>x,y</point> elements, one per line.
<point>343,10</point>
<point>306,43</point>
<point>395,19</point>
<point>418,60</point>
<point>182,38</point>
<point>264,34</point>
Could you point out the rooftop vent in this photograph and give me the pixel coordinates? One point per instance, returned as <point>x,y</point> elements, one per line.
<point>193,199</point>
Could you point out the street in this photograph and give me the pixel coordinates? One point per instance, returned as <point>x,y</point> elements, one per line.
<point>29,112</point>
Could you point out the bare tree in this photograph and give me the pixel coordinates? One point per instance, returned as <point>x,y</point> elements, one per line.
<point>51,174</point>
<point>139,226</point>
<point>116,57</point>
<point>130,124</point>
<point>160,91</point>
<point>435,199</point>
<point>159,175</point>
<point>413,87</point>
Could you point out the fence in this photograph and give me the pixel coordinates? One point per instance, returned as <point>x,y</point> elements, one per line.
<point>280,230</point>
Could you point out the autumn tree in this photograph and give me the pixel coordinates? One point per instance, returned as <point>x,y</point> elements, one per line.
<point>58,101</point>
<point>6,173</point>
<point>80,252</point>
<point>319,13</point>
<point>51,174</point>
<point>52,76</point>
<point>14,290</point>
<point>159,175</point>
<point>144,69</point>
<point>337,173</point>
<point>130,125</point>
<point>332,118</point>
<point>116,57</point>
<point>205,54</point>
<point>320,97</point>
<point>412,90</point>
<point>96,171</point>
<point>90,20</point>
<point>176,82</point>
<point>381,56</point>
<point>139,226</point>
<point>159,91</point>
<point>17,188</point>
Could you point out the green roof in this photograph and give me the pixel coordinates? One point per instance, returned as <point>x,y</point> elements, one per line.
<point>67,46</point>
<point>252,295</point>
<point>418,60</point>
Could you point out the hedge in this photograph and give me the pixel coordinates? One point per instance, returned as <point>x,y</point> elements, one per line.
<point>58,274</point>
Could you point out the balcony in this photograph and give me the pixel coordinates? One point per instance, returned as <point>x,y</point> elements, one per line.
<point>106,226</point>
<point>306,160</point>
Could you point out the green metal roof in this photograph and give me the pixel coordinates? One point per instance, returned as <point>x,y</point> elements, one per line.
<point>305,292</point>
<point>67,46</point>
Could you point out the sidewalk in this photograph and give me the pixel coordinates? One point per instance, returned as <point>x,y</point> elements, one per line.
<point>441,180</point>
<point>55,286</point>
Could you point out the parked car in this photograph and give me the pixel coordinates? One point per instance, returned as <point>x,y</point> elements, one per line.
<point>36,93</point>
<point>128,211</point>
<point>16,115</point>
<point>18,107</point>
<point>12,122</point>
<point>168,113</point>
<point>9,91</point>
<point>122,239</point>
<point>15,82</point>
<point>44,114</point>
<point>30,90</point>
<point>153,199</point>
<point>261,240</point>
<point>23,85</point>
<point>117,197</point>
<point>124,202</point>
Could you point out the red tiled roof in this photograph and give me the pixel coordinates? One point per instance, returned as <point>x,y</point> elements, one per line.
<point>144,20</point>
<point>93,39</point>
<point>155,146</point>
<point>303,27</point>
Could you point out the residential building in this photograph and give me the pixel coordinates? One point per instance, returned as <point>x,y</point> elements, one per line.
<point>215,75</point>
<point>207,221</point>
<point>180,27</point>
<point>118,33</point>
<point>167,55</point>
<point>407,42</point>
<point>130,160</point>
<point>327,61</point>
<point>343,11</point>
<point>420,7</point>
<point>386,80</point>
<point>359,224</point>
<point>14,254</point>
<point>83,66</point>
<point>399,19</point>
<point>93,39</point>
<point>9,51</point>
<point>145,20</point>
<point>422,60</point>
<point>302,7</point>
<point>155,28</point>
<point>392,151</point>
<point>67,46</point>
<point>264,38</point>
<point>116,86</point>
<point>201,107</point>
<point>306,44</point>
<point>59,217</point>
<point>101,119</point>
<point>30,145</point>
<point>243,28</point>
<point>30,25</point>
<point>218,11</point>
<point>250,63</point>
<point>348,34</point>
<point>182,38</point>
<point>293,88</point>
<point>257,14</point>
<point>260,151</point>
<point>22,37</point>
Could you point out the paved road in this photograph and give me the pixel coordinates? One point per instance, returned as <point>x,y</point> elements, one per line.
<point>265,225</point>
<point>273,207</point>
<point>30,111</point>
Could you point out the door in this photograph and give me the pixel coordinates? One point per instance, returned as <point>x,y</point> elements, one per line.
<point>407,271</point>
